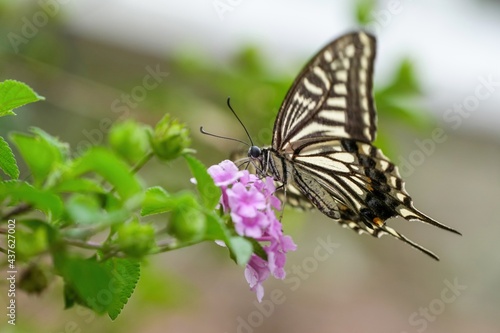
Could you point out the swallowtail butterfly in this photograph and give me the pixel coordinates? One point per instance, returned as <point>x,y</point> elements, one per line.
<point>322,153</point>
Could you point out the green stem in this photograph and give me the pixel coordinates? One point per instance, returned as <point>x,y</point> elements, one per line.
<point>143,161</point>
<point>107,251</point>
<point>22,208</point>
<point>174,246</point>
<point>84,245</point>
<point>138,166</point>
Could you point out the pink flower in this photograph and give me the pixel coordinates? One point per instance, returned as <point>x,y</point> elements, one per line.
<point>225,173</point>
<point>276,255</point>
<point>257,272</point>
<point>251,202</point>
<point>246,202</point>
<point>250,226</point>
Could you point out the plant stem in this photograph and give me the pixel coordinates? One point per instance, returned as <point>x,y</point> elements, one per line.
<point>174,246</point>
<point>22,208</point>
<point>84,245</point>
<point>143,161</point>
<point>138,166</point>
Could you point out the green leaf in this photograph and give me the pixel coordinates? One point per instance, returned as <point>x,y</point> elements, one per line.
<point>216,228</point>
<point>114,170</point>
<point>14,94</point>
<point>7,160</point>
<point>36,239</point>
<point>387,145</point>
<point>399,110</point>
<point>125,274</point>
<point>40,156</point>
<point>78,185</point>
<point>84,209</point>
<point>18,191</point>
<point>62,147</point>
<point>404,83</point>
<point>241,249</point>
<point>257,248</point>
<point>364,10</point>
<point>156,201</point>
<point>87,282</point>
<point>209,192</point>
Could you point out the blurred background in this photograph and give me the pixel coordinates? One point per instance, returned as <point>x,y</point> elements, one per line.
<point>437,81</point>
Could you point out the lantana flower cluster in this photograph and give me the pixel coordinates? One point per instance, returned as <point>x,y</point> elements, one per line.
<point>251,203</point>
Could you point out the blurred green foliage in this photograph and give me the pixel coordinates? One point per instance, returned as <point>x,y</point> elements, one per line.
<point>363,10</point>
<point>65,205</point>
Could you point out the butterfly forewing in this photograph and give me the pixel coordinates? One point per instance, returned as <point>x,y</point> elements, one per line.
<point>332,96</point>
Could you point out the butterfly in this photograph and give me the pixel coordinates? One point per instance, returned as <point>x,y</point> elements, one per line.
<point>322,154</point>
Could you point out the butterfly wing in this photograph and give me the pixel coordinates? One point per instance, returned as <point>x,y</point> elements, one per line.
<point>332,96</point>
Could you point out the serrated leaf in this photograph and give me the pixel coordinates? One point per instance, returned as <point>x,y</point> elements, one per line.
<point>8,162</point>
<point>39,155</point>
<point>14,94</point>
<point>126,273</point>
<point>109,166</point>
<point>156,201</point>
<point>22,192</point>
<point>209,192</point>
<point>87,282</point>
<point>53,141</point>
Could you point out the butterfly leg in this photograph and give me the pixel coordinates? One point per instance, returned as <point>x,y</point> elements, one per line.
<point>282,186</point>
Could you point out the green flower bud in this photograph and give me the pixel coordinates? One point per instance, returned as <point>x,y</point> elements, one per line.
<point>187,221</point>
<point>130,140</point>
<point>136,239</point>
<point>170,138</point>
<point>33,280</point>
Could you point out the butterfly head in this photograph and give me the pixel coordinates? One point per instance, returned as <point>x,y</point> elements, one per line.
<point>254,152</point>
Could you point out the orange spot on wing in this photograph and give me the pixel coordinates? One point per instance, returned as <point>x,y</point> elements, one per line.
<point>378,222</point>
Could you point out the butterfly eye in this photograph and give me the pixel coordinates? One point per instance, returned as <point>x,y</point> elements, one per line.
<point>254,152</point>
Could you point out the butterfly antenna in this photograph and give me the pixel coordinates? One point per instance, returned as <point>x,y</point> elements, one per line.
<point>222,137</point>
<point>241,123</point>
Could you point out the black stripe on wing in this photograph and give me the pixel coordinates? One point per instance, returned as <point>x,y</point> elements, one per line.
<point>360,177</point>
<point>332,96</point>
